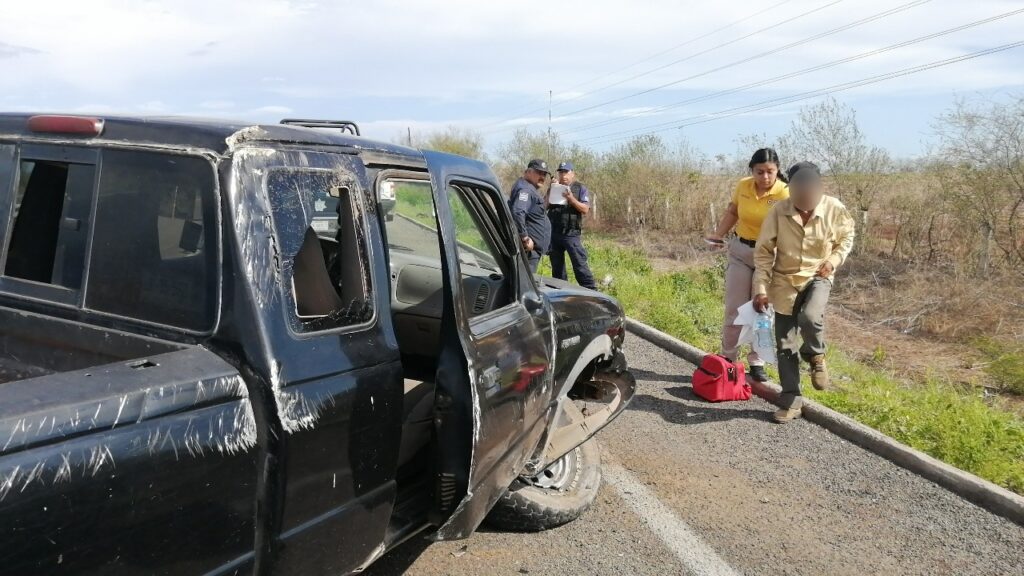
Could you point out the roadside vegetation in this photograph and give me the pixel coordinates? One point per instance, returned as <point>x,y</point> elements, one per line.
<point>958,424</point>
<point>931,303</point>
<point>940,251</point>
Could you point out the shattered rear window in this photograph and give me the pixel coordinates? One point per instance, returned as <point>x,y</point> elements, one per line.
<point>323,253</point>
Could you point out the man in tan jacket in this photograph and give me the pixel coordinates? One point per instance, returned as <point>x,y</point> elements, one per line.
<point>803,240</point>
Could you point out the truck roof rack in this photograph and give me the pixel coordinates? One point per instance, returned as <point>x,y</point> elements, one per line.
<point>343,125</point>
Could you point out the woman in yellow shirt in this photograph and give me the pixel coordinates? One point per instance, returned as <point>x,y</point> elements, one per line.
<point>753,197</point>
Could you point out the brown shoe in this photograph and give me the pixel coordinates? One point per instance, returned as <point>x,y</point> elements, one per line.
<point>819,372</point>
<point>786,414</point>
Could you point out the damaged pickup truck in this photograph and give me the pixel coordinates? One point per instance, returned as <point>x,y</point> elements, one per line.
<point>218,355</point>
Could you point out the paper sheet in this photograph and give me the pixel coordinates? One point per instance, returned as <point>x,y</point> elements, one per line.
<point>555,195</point>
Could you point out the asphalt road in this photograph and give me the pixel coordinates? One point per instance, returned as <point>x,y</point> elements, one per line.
<point>408,237</point>
<point>692,487</point>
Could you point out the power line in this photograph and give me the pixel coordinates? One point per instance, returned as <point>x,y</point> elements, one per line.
<point>843,28</point>
<point>707,50</point>
<point>790,75</point>
<point>645,59</point>
<point>763,105</point>
<point>687,43</point>
<point>673,63</point>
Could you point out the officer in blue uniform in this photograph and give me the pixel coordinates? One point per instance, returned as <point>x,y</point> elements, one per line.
<point>567,229</point>
<point>529,212</point>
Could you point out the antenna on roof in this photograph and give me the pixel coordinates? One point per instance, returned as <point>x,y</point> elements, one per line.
<point>343,125</point>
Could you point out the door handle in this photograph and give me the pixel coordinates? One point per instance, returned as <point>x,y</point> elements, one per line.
<point>490,379</point>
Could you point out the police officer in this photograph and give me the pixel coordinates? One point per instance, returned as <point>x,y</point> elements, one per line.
<point>528,211</point>
<point>567,228</point>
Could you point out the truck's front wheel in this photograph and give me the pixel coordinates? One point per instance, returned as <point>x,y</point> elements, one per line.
<point>557,495</point>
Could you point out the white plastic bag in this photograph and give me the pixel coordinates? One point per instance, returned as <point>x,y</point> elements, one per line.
<point>758,330</point>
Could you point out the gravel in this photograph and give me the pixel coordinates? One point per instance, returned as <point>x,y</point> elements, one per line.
<point>768,498</point>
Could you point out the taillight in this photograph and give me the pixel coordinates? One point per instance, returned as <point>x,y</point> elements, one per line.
<point>80,125</point>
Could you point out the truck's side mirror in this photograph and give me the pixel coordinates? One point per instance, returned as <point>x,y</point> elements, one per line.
<point>533,303</point>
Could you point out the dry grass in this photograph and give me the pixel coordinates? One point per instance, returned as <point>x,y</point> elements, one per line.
<point>927,301</point>
<point>917,320</point>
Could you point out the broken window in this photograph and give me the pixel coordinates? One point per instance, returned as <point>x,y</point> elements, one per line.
<point>325,266</point>
<point>47,224</point>
<point>38,204</point>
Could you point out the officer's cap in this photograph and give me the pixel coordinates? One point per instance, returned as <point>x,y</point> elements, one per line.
<point>538,165</point>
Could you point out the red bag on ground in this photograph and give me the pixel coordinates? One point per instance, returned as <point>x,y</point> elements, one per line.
<point>719,380</point>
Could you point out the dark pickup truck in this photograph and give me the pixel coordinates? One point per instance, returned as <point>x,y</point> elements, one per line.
<point>218,355</point>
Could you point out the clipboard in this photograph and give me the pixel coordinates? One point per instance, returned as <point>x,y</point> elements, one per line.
<point>555,194</point>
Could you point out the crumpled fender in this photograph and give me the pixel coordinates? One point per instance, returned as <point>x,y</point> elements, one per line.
<point>612,386</point>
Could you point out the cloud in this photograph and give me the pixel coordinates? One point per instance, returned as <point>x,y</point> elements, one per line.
<point>567,95</point>
<point>13,51</point>
<point>270,110</point>
<point>206,49</point>
<point>217,104</point>
<point>294,49</point>
<point>638,112</point>
<point>152,107</point>
<point>92,108</point>
<point>476,63</point>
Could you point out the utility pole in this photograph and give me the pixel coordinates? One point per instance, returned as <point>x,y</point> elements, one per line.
<point>550,143</point>
<point>408,135</point>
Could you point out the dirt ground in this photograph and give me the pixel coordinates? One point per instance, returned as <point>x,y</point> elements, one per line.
<point>903,354</point>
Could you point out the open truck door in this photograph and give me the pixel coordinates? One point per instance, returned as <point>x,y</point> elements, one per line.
<point>494,377</point>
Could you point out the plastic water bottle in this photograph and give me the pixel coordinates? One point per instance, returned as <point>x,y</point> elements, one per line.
<point>764,340</point>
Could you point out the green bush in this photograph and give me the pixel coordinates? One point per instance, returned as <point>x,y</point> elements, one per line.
<point>686,304</point>
<point>1005,364</point>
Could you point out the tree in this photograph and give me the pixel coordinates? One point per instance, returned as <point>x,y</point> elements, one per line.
<point>981,145</point>
<point>454,140</point>
<point>523,147</point>
<point>649,185</point>
<point>526,145</point>
<point>827,134</point>
<point>746,144</point>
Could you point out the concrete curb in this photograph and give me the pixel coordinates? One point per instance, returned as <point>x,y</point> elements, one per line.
<point>993,498</point>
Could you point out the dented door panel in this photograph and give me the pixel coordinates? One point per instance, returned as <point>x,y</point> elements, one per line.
<point>335,381</point>
<point>494,377</point>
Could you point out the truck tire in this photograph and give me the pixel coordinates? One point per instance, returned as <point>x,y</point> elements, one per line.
<point>556,496</point>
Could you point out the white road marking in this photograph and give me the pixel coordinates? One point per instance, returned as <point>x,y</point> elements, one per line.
<point>688,547</point>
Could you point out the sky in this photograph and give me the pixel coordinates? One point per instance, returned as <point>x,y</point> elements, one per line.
<point>706,72</point>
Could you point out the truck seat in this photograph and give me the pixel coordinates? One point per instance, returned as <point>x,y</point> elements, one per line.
<point>417,418</point>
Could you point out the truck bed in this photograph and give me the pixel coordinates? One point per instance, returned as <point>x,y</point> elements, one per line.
<point>33,345</point>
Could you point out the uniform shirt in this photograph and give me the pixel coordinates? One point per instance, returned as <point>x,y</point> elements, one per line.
<point>752,209</point>
<point>579,190</point>
<point>788,252</point>
<point>530,215</point>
